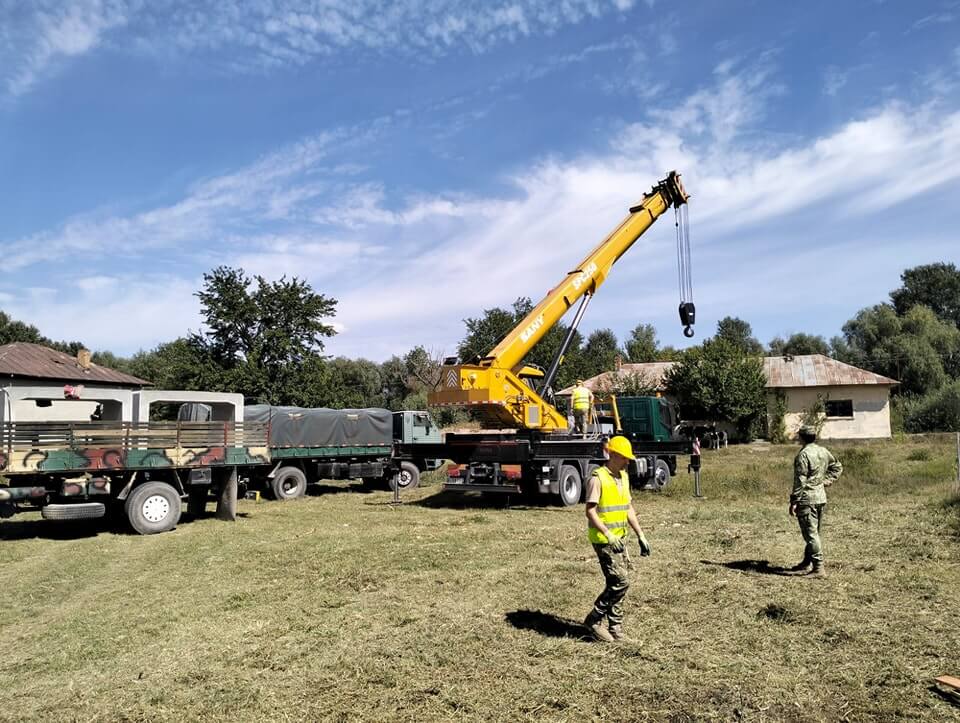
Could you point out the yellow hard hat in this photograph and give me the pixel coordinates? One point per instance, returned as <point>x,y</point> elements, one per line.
<point>621,445</point>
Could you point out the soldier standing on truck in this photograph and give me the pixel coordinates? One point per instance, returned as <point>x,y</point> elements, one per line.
<point>582,402</point>
<point>609,512</point>
<point>814,469</point>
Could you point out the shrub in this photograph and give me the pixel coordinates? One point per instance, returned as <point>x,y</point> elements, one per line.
<point>938,411</point>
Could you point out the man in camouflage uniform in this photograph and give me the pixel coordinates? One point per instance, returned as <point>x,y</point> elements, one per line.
<point>814,469</point>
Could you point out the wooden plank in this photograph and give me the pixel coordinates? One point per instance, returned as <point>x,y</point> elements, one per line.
<point>949,681</point>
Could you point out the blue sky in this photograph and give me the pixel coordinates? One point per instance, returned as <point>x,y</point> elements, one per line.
<point>422,161</point>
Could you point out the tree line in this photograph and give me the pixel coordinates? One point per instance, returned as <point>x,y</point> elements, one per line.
<point>266,340</point>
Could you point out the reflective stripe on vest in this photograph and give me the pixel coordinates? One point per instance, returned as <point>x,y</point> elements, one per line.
<point>612,507</point>
<point>581,399</point>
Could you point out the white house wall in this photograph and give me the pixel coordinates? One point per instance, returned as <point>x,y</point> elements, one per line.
<point>871,411</point>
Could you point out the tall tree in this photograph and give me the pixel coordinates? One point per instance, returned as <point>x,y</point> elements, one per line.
<point>798,344</point>
<point>260,334</point>
<point>740,334</point>
<point>642,345</point>
<point>600,353</point>
<point>717,382</point>
<point>918,349</point>
<point>936,286</point>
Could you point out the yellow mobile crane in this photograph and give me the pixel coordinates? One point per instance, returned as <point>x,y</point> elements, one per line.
<point>541,452</point>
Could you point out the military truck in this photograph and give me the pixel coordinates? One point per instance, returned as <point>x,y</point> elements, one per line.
<point>307,445</point>
<point>652,425</point>
<point>145,465</point>
<point>142,467</point>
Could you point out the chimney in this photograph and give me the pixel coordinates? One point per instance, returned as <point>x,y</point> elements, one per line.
<point>83,359</point>
<point>618,362</point>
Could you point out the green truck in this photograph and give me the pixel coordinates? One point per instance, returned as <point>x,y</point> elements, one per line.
<point>307,445</point>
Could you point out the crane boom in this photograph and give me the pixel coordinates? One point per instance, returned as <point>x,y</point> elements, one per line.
<point>494,383</point>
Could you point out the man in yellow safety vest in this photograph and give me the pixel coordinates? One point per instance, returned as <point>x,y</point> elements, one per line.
<point>609,512</point>
<point>581,400</point>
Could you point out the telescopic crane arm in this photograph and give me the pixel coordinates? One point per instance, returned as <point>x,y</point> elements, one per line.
<point>494,383</point>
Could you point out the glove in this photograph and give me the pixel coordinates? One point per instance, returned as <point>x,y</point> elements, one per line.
<point>615,543</point>
<point>644,545</point>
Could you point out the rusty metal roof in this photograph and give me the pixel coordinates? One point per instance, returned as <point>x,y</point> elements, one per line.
<point>653,373</point>
<point>817,370</point>
<point>807,370</point>
<point>35,361</point>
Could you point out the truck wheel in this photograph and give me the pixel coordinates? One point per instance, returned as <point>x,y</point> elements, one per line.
<point>571,486</point>
<point>661,475</point>
<point>153,507</point>
<point>407,478</point>
<point>289,483</point>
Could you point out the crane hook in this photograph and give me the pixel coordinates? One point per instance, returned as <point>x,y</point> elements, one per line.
<point>688,316</point>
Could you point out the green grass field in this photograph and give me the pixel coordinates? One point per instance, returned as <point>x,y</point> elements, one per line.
<point>342,607</point>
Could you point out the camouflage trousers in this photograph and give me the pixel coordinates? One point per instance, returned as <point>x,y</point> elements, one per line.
<point>614,566</point>
<point>581,417</point>
<point>809,517</point>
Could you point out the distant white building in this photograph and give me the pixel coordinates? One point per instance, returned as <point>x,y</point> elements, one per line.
<point>857,401</point>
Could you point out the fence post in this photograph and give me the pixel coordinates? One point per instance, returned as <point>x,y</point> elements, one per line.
<point>957,486</point>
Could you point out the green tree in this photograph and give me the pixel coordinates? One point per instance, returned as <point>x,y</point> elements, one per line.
<point>935,286</point>
<point>798,344</point>
<point>642,345</point>
<point>918,349</point>
<point>739,333</point>
<point>12,331</point>
<point>717,382</point>
<point>599,353</point>
<point>260,335</point>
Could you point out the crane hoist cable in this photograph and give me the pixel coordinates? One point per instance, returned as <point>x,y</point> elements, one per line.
<point>688,312</point>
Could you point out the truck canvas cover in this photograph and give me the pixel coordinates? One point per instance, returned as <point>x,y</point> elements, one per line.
<point>322,427</point>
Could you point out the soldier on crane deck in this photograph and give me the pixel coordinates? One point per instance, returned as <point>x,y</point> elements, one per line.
<point>814,469</point>
<point>609,513</point>
<point>582,402</point>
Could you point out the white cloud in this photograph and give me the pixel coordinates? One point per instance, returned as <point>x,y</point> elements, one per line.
<point>408,268</point>
<point>34,43</point>
<point>264,35</point>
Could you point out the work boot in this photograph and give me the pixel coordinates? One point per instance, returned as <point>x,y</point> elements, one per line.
<point>616,632</point>
<point>800,568</point>
<point>818,571</point>
<point>595,624</point>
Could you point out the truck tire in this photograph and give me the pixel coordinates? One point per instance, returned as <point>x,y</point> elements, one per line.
<point>153,507</point>
<point>76,511</point>
<point>406,478</point>
<point>289,483</point>
<point>661,475</point>
<point>571,485</point>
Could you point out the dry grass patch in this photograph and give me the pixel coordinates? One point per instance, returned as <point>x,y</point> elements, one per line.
<point>342,606</point>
